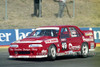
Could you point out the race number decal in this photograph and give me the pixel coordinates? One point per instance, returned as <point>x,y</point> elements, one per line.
<point>70,46</point>
<point>64,46</point>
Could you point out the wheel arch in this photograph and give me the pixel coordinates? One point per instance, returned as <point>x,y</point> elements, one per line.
<point>54,45</point>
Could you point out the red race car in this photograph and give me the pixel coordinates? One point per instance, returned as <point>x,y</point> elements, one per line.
<point>53,41</point>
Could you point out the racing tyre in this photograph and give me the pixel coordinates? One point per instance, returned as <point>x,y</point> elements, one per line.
<point>52,53</point>
<point>84,50</point>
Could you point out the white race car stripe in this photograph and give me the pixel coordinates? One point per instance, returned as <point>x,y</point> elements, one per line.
<point>37,41</point>
<point>57,28</point>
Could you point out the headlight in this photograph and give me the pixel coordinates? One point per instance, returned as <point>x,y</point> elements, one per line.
<point>35,45</point>
<point>13,45</point>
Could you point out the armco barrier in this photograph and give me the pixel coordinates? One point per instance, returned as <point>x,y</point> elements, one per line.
<point>8,36</point>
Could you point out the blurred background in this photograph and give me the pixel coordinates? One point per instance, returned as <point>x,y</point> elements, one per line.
<point>87,14</point>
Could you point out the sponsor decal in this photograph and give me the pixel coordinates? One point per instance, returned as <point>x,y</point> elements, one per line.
<point>63,39</point>
<point>24,49</point>
<point>66,53</point>
<point>44,51</point>
<point>53,40</point>
<point>34,49</point>
<point>76,47</point>
<point>69,52</point>
<point>71,47</point>
<point>88,34</point>
<point>60,54</point>
<point>18,49</point>
<point>87,39</point>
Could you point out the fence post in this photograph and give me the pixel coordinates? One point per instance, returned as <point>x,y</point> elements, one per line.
<point>73,8</point>
<point>40,8</point>
<point>6,16</point>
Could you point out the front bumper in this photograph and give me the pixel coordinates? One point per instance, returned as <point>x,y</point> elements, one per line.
<point>39,56</point>
<point>27,53</point>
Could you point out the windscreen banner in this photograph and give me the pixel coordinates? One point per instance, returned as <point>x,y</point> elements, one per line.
<point>7,36</point>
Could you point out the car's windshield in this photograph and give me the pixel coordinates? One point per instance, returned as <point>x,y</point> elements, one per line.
<point>45,32</point>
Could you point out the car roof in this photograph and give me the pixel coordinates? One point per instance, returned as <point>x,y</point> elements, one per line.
<point>60,26</point>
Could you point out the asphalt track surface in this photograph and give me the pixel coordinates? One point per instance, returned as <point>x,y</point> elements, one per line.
<point>65,61</point>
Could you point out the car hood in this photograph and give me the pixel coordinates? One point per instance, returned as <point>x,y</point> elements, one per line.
<point>36,38</point>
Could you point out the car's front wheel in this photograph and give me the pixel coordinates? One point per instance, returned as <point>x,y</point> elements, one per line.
<point>52,52</point>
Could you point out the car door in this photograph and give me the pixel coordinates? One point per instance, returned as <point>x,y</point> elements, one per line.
<point>75,39</point>
<point>63,39</point>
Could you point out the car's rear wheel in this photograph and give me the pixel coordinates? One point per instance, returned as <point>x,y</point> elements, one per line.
<point>52,52</point>
<point>84,50</point>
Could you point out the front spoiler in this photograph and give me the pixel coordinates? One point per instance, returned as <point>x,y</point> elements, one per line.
<point>40,56</point>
